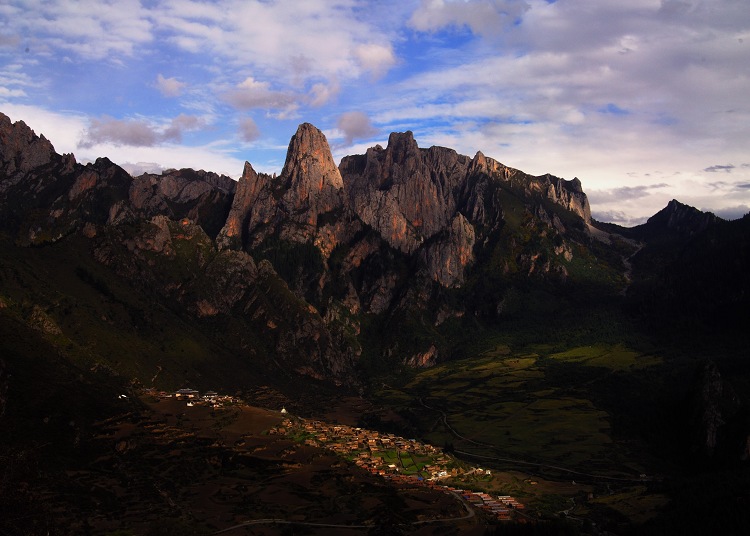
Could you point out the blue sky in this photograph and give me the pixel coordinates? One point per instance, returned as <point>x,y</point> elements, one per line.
<point>644,101</point>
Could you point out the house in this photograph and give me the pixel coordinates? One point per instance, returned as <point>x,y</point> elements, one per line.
<point>187,393</point>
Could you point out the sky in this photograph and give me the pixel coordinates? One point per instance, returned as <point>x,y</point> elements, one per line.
<point>644,101</point>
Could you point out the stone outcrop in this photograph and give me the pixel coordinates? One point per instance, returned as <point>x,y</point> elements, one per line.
<point>21,151</point>
<point>291,206</point>
<point>252,206</point>
<point>200,196</point>
<point>406,193</point>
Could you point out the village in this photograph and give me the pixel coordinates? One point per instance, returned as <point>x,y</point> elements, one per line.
<point>399,460</point>
<point>394,458</point>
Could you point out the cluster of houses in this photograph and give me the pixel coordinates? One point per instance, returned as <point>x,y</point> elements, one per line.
<point>368,449</point>
<point>500,506</point>
<point>194,398</point>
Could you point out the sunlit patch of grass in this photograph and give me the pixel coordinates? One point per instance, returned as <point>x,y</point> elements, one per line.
<point>615,357</point>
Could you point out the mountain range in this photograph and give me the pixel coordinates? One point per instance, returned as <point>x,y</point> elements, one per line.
<point>329,278</point>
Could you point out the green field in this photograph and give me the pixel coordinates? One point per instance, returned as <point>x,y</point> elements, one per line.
<point>534,406</point>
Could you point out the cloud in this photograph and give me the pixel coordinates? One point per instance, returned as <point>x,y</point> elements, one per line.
<point>6,93</point>
<point>720,168</point>
<point>139,168</point>
<point>249,131</point>
<point>251,94</point>
<point>355,125</point>
<point>732,213</point>
<point>101,30</point>
<point>169,87</point>
<point>729,188</point>
<point>623,193</point>
<point>136,132</point>
<point>119,132</point>
<point>181,123</point>
<point>321,93</point>
<point>618,216</point>
<point>484,17</point>
<point>375,58</point>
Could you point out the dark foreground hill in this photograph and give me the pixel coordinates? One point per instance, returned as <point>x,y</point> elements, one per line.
<point>325,281</point>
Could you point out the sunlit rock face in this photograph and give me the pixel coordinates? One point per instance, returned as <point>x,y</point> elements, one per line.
<point>406,193</point>
<point>292,205</point>
<point>252,206</point>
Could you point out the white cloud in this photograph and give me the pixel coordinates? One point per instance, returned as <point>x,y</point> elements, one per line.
<point>375,58</point>
<point>169,87</point>
<point>5,92</point>
<point>250,94</point>
<point>139,168</point>
<point>321,93</point>
<point>90,29</point>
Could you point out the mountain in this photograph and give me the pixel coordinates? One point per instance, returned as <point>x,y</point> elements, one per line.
<point>326,282</point>
<point>323,270</point>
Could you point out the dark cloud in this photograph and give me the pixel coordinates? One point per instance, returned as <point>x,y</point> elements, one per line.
<point>718,168</point>
<point>136,132</point>
<point>355,125</point>
<point>249,131</point>
<point>623,193</point>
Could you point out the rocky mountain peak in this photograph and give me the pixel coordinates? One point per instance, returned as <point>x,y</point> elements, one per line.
<point>402,144</point>
<point>681,219</point>
<point>309,159</point>
<point>482,164</point>
<point>289,205</point>
<point>312,180</point>
<point>21,150</point>
<point>247,210</point>
<point>406,193</point>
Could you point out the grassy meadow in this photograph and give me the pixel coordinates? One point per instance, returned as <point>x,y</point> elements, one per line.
<point>519,405</point>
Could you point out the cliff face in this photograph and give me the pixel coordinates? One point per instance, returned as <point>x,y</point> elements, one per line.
<point>201,196</point>
<point>407,194</point>
<point>292,205</point>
